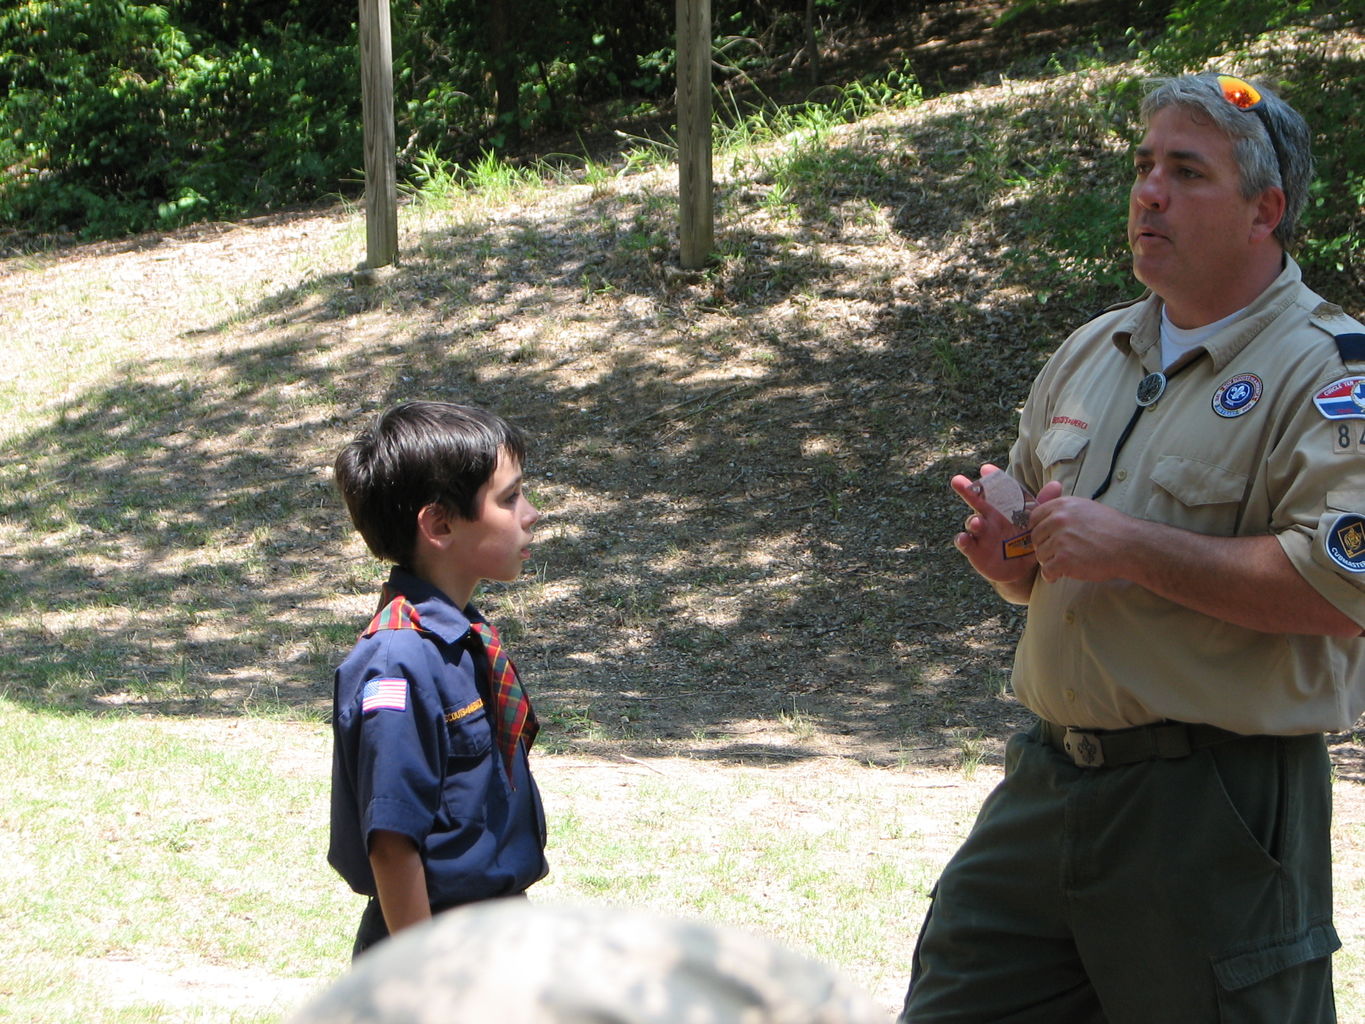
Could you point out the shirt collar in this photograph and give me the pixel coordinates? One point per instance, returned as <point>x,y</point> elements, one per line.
<point>436,613</point>
<point>1139,329</point>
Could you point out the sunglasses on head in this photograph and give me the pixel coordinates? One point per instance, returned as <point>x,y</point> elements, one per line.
<point>1239,92</point>
<point>1245,96</point>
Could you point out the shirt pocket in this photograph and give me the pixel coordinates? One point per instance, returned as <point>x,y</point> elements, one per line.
<point>1059,452</point>
<point>469,730</point>
<point>1196,496</point>
<point>469,769</point>
<point>1346,501</point>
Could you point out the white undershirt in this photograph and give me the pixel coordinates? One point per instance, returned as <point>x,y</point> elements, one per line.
<point>1177,342</point>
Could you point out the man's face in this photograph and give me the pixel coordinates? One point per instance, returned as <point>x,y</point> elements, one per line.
<point>1189,227</point>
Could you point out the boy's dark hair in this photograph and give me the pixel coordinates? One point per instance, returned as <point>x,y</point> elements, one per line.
<point>419,454</point>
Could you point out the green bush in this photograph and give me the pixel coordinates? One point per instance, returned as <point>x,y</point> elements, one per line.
<point>1279,41</point>
<point>123,115</point>
<point>119,118</point>
<point>1199,30</point>
<point>1325,88</point>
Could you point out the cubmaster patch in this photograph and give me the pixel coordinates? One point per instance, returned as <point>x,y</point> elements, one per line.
<point>1342,399</point>
<point>1346,542</point>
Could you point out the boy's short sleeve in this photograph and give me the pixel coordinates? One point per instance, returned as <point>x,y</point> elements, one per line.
<point>391,729</point>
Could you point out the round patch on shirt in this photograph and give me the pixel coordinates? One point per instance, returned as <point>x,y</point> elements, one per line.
<point>1237,395</point>
<point>1346,542</point>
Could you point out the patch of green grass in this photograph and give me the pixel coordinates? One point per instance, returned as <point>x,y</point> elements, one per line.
<point>443,186</point>
<point>145,855</point>
<point>812,862</point>
<point>971,750</point>
<point>797,722</point>
<point>567,726</point>
<point>152,848</point>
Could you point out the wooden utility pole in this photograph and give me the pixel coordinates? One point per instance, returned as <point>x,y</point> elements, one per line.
<point>696,227</point>
<point>376,99</point>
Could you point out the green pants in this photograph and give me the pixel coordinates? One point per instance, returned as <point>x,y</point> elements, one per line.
<point>1164,892</point>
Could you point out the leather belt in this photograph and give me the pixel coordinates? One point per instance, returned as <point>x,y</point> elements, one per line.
<point>1109,748</point>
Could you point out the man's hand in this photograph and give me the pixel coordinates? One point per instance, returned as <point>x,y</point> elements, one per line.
<point>983,537</point>
<point>1080,539</point>
<point>1248,581</point>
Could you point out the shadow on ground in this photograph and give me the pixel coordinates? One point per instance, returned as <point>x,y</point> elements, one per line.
<point>747,548</point>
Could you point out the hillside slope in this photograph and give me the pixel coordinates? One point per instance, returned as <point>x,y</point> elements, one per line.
<point>746,550</point>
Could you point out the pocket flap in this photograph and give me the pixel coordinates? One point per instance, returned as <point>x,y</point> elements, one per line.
<point>469,729</point>
<point>1060,446</point>
<point>1194,483</point>
<point>1238,970</point>
<point>1346,501</point>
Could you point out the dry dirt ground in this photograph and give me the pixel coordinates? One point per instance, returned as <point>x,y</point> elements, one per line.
<point>745,557</point>
<point>746,550</point>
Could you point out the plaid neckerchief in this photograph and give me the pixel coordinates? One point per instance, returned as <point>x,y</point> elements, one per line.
<point>515,721</point>
<point>394,612</point>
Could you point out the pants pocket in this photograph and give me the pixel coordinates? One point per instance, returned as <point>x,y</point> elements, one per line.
<point>1288,978</point>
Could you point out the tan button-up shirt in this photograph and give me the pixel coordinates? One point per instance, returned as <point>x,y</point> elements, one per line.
<point>1237,446</point>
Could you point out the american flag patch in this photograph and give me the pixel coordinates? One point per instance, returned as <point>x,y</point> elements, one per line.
<point>386,694</point>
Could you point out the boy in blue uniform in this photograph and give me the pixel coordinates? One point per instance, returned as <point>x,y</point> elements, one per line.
<point>433,804</point>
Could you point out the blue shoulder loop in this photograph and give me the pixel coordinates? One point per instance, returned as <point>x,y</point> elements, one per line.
<point>1351,347</point>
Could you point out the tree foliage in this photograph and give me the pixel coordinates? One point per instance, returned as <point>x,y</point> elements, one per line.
<point>123,115</point>
<point>120,116</point>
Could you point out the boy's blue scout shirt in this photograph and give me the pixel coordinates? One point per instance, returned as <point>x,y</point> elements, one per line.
<point>417,756</point>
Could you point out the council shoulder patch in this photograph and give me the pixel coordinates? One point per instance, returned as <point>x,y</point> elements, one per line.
<point>1346,542</point>
<point>1237,395</point>
<point>1343,399</point>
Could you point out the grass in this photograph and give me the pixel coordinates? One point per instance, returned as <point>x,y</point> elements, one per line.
<point>440,187</point>
<point>175,869</point>
<point>158,849</point>
<point>734,468</point>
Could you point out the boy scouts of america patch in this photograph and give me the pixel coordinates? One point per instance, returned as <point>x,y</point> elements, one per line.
<point>1346,542</point>
<point>1343,399</point>
<point>1237,395</point>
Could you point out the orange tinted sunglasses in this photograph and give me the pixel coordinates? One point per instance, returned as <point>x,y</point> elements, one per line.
<point>1239,92</point>
<point>1245,96</point>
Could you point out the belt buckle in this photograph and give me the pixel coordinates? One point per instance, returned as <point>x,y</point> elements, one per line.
<point>1084,747</point>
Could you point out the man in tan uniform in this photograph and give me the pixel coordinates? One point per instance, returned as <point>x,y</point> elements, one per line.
<point>1194,573</point>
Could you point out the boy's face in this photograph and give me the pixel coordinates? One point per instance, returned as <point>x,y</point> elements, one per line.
<point>494,544</point>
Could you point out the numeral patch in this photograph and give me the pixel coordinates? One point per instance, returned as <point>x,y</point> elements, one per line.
<point>1348,436</point>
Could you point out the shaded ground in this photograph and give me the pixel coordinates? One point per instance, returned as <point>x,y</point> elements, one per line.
<point>733,489</point>
<point>746,551</point>
<point>745,566</point>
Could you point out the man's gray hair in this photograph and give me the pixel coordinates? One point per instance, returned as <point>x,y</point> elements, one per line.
<point>1286,161</point>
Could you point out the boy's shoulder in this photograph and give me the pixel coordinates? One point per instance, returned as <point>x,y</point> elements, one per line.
<point>411,635</point>
<point>408,603</point>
